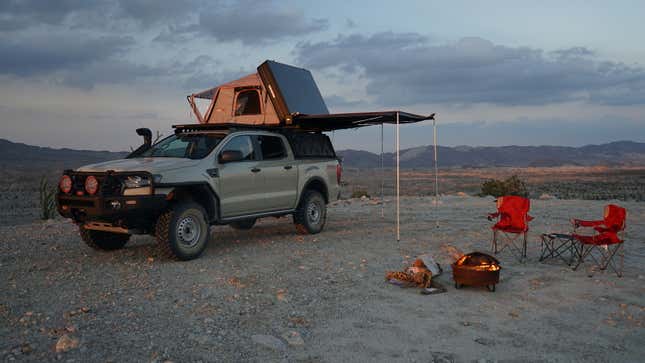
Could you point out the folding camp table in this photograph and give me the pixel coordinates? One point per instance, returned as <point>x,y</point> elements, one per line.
<point>558,245</point>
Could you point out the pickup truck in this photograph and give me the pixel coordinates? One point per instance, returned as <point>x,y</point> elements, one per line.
<point>198,177</point>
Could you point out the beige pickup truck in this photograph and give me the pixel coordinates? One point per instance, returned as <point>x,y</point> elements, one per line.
<point>198,177</point>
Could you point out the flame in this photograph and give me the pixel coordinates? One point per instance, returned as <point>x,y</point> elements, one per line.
<point>481,267</point>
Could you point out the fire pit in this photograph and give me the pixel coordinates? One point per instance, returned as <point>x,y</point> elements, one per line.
<point>476,269</point>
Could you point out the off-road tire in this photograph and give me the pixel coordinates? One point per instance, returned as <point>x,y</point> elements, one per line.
<point>243,224</point>
<point>311,214</point>
<point>190,218</point>
<point>101,240</point>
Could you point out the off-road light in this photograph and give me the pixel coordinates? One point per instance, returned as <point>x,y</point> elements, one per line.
<point>91,185</point>
<point>65,184</point>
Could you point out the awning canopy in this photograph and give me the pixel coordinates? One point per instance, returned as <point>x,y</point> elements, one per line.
<point>339,121</point>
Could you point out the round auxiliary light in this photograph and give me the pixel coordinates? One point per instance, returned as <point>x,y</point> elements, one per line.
<point>65,184</point>
<point>91,185</point>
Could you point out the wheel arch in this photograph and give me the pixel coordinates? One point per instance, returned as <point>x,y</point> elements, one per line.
<point>317,184</point>
<point>200,193</point>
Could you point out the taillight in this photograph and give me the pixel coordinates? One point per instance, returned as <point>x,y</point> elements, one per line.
<point>339,172</point>
<point>91,185</point>
<point>65,184</point>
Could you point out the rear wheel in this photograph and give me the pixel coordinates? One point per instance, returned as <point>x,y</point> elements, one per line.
<point>101,240</point>
<point>311,214</point>
<point>182,232</point>
<point>243,224</point>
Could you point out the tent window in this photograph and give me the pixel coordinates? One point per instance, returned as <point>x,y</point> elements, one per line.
<point>247,103</point>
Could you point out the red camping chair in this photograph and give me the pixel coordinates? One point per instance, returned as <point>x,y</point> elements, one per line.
<point>607,242</point>
<point>512,225</point>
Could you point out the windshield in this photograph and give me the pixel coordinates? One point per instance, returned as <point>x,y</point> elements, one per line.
<point>191,146</point>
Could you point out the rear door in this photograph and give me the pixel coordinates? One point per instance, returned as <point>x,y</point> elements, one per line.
<point>279,172</point>
<point>241,185</point>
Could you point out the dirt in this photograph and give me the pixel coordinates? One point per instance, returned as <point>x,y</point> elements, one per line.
<point>270,295</point>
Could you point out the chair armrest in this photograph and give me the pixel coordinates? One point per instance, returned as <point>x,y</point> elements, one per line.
<point>583,223</point>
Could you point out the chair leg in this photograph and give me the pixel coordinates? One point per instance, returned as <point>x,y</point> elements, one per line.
<point>494,242</point>
<point>524,248</point>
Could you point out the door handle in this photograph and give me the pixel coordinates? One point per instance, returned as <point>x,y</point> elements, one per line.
<point>256,170</point>
<point>287,167</point>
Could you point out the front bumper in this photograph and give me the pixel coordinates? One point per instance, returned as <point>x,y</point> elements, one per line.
<point>129,212</point>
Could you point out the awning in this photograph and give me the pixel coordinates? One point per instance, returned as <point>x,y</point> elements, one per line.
<point>339,121</point>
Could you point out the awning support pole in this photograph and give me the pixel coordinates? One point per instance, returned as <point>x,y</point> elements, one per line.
<point>436,175</point>
<point>398,186</point>
<point>382,176</point>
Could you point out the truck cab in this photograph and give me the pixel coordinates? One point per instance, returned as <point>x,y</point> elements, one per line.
<point>201,176</point>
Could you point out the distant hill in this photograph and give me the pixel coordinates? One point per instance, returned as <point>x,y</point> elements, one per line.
<point>15,155</point>
<point>614,153</point>
<point>22,156</point>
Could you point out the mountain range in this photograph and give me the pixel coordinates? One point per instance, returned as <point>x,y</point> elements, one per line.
<point>614,153</point>
<point>22,156</point>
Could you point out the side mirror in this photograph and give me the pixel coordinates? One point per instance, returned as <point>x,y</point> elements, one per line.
<point>229,156</point>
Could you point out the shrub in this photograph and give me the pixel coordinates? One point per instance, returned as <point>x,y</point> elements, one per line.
<point>510,186</point>
<point>47,200</point>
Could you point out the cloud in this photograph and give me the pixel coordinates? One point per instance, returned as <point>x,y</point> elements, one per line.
<point>44,54</point>
<point>405,69</point>
<point>255,22</point>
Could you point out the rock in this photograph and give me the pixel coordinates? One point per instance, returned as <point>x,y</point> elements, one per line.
<point>293,338</point>
<point>462,194</point>
<point>546,196</point>
<point>66,343</point>
<point>485,341</point>
<point>364,198</point>
<point>269,341</point>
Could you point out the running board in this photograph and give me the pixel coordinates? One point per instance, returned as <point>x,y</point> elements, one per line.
<point>256,215</point>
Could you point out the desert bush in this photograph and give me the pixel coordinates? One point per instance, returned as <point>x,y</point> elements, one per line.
<point>358,193</point>
<point>47,199</point>
<point>511,186</point>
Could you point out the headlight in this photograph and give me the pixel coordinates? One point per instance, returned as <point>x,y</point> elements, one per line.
<point>135,181</point>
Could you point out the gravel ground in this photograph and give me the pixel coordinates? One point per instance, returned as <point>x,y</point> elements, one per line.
<point>271,295</point>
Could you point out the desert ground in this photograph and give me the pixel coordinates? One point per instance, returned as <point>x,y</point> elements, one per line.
<point>270,295</point>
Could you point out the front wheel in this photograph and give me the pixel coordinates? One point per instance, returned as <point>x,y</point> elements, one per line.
<point>311,214</point>
<point>182,232</point>
<point>101,240</point>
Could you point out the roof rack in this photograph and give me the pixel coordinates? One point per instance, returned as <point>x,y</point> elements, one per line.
<point>183,128</point>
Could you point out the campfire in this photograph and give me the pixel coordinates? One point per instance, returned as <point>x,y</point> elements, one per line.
<point>476,269</point>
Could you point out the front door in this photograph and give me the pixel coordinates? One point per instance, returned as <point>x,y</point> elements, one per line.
<point>240,181</point>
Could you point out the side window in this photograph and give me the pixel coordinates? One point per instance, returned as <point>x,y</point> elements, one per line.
<point>247,103</point>
<point>272,147</point>
<point>243,144</point>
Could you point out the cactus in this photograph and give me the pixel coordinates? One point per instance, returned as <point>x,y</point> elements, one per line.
<point>47,200</point>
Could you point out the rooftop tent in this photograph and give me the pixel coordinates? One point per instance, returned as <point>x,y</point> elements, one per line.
<point>243,101</point>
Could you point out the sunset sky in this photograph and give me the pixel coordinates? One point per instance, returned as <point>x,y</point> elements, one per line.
<point>85,74</point>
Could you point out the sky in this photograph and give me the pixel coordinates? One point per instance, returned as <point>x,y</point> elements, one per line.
<point>86,74</point>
